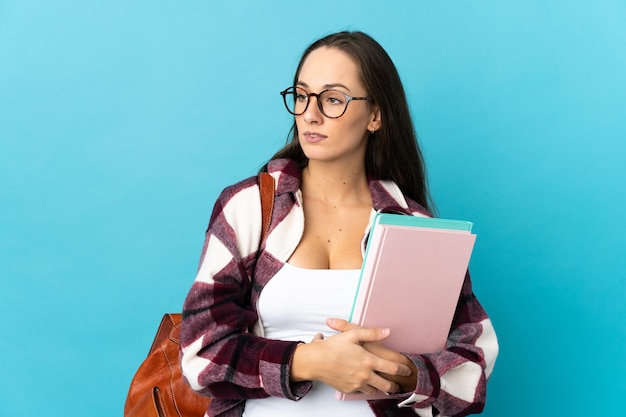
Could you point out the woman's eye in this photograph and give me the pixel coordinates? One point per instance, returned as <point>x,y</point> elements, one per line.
<point>335,99</point>
<point>301,97</point>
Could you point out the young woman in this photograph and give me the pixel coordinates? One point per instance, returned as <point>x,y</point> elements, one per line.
<point>264,331</point>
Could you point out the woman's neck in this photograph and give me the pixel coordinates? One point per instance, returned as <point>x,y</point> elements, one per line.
<point>335,184</point>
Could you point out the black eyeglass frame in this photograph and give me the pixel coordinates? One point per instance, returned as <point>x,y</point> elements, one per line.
<point>292,90</point>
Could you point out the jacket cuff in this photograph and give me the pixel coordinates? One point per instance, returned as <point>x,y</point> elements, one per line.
<point>275,370</point>
<point>427,388</point>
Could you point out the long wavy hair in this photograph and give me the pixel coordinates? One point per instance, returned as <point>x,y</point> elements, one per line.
<point>392,152</point>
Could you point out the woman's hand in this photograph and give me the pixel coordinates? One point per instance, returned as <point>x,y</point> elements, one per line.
<point>343,362</point>
<point>407,383</point>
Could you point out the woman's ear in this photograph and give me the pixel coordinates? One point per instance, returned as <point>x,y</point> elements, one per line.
<point>376,120</point>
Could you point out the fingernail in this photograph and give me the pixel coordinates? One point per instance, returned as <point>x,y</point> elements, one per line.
<point>385,332</point>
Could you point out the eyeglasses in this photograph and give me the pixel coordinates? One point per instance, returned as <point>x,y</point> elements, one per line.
<point>332,103</point>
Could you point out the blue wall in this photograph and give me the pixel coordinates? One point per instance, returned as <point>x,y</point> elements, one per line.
<point>120,121</point>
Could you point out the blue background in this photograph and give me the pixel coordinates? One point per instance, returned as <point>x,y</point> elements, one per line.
<point>120,121</point>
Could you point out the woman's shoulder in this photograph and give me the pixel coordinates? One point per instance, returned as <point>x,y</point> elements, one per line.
<point>230,191</point>
<point>286,173</point>
<point>387,196</point>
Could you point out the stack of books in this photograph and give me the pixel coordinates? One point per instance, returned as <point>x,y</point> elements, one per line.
<point>411,278</point>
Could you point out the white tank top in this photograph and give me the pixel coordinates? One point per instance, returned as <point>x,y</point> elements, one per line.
<point>294,305</point>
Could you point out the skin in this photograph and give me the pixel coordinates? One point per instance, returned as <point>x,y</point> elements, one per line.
<point>337,205</point>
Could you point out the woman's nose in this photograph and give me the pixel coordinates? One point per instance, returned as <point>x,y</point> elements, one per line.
<point>312,114</point>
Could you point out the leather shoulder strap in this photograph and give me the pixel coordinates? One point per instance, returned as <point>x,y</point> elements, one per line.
<point>266,186</point>
<point>168,322</point>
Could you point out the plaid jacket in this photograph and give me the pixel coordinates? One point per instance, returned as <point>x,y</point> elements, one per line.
<point>223,352</point>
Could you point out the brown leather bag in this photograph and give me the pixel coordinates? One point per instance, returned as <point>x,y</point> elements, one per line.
<point>158,388</point>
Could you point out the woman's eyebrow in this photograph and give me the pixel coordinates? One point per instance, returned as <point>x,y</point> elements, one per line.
<point>325,86</point>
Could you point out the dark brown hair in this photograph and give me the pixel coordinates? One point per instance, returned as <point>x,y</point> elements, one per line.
<point>392,152</point>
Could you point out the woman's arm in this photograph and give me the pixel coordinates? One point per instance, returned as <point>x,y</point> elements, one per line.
<point>220,357</point>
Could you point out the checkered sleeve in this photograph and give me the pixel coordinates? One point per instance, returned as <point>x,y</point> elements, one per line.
<point>220,357</point>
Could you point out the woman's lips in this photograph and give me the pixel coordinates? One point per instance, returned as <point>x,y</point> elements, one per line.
<point>313,137</point>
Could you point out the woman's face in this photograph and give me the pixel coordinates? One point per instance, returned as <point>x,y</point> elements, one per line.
<point>334,140</point>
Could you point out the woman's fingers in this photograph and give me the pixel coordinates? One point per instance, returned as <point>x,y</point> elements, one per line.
<point>407,382</point>
<point>379,383</point>
<point>386,366</point>
<point>368,338</point>
<point>318,337</point>
<point>341,325</point>
<point>361,335</point>
<point>367,381</point>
